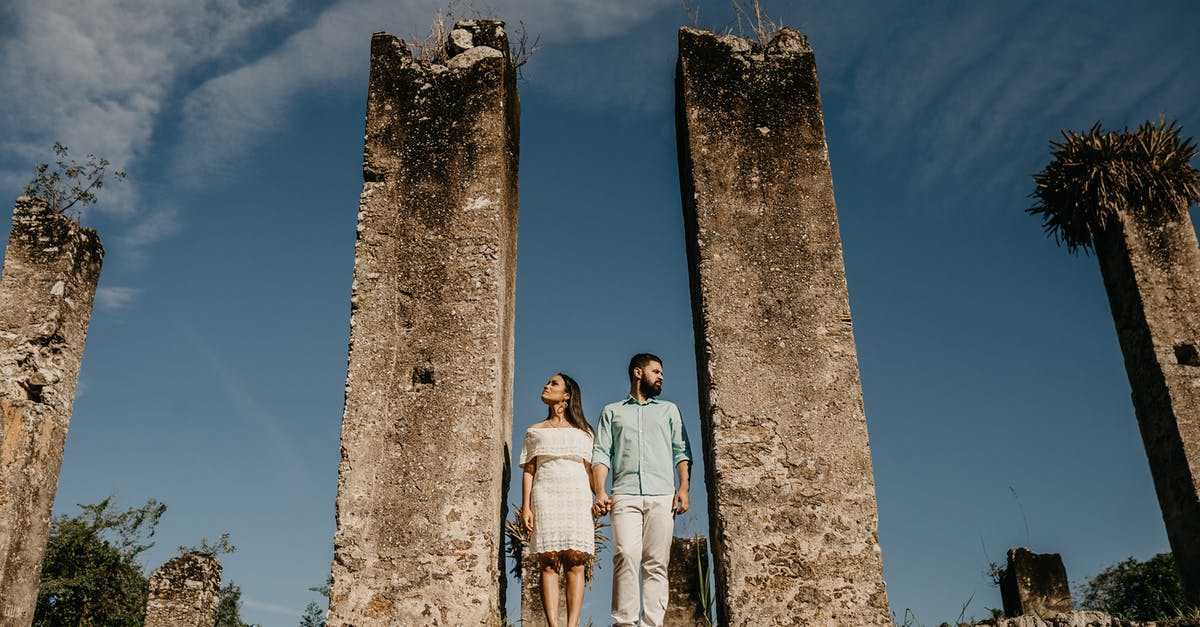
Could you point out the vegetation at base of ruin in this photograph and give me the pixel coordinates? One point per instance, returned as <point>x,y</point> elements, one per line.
<point>91,573</point>
<point>518,538</point>
<point>1095,174</point>
<point>314,614</point>
<point>69,185</point>
<point>435,46</point>
<point>229,607</point>
<point>1136,590</point>
<point>910,619</point>
<point>704,577</point>
<point>750,20</point>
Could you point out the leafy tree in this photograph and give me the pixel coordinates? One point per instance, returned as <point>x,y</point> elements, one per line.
<point>1134,590</point>
<point>91,573</point>
<point>69,183</point>
<point>314,616</point>
<point>229,609</point>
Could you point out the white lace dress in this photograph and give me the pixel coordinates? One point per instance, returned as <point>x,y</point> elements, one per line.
<point>561,495</point>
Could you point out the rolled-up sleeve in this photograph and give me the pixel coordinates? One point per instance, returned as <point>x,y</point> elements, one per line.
<point>681,448</point>
<point>602,449</point>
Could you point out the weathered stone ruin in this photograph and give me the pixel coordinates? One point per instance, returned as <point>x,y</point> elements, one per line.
<point>1151,270</point>
<point>1034,584</point>
<point>791,491</point>
<point>49,282</point>
<point>684,607</point>
<point>185,592</point>
<point>533,613</point>
<point>1081,618</point>
<point>427,423</point>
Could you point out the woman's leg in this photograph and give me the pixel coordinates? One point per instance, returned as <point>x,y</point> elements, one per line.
<point>575,581</point>
<point>549,564</point>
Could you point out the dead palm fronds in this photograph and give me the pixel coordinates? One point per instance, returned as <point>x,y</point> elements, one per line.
<point>1095,174</point>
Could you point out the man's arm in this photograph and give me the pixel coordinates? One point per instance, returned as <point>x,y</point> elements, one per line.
<point>601,460</point>
<point>681,454</point>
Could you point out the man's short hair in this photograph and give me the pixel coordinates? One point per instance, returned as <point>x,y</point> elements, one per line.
<point>640,360</point>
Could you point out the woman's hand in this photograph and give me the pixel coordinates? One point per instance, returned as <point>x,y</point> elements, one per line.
<point>527,518</point>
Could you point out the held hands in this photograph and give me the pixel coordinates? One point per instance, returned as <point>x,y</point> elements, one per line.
<point>601,505</point>
<point>680,503</point>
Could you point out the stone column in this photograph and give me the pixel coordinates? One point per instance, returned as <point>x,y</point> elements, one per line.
<point>1151,271</point>
<point>428,414</point>
<point>687,587</point>
<point>185,592</point>
<point>49,281</point>
<point>1034,584</point>
<point>788,467</point>
<point>533,613</point>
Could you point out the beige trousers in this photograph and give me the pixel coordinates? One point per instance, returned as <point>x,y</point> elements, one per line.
<point>642,529</point>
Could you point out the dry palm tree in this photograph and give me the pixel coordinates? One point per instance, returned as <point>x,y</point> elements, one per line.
<point>1126,195</point>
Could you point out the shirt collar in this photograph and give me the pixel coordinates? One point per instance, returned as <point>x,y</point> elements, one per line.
<point>650,401</point>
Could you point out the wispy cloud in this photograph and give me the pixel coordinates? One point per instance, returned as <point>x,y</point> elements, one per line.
<point>112,298</point>
<point>227,114</point>
<point>270,608</point>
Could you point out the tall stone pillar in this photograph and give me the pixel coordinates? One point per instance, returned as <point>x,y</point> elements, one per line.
<point>1151,270</point>
<point>688,584</point>
<point>791,493</point>
<point>49,282</point>
<point>427,422</point>
<point>185,592</point>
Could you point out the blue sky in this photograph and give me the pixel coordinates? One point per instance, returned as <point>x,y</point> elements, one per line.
<point>996,399</point>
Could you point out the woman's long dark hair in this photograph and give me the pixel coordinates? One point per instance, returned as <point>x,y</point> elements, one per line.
<point>574,413</point>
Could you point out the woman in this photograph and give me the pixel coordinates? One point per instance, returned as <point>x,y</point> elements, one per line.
<point>556,495</point>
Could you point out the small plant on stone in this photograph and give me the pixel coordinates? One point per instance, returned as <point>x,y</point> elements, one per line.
<point>70,184</point>
<point>752,17</point>
<point>434,47</point>
<point>704,575</point>
<point>221,547</point>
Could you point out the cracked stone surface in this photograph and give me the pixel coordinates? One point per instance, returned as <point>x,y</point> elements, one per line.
<point>793,519</point>
<point>50,272</point>
<point>185,592</point>
<point>428,415</point>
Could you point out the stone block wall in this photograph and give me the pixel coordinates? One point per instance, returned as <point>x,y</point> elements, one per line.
<point>427,422</point>
<point>51,268</point>
<point>684,606</point>
<point>788,466</point>
<point>185,592</point>
<point>1035,584</point>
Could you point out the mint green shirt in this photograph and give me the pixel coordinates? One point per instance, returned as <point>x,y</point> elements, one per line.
<point>641,443</point>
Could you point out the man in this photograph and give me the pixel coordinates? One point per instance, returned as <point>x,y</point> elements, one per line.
<point>641,439</point>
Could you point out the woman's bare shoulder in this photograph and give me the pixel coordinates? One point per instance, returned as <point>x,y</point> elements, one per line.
<point>545,424</point>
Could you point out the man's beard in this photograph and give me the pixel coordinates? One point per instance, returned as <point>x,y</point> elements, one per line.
<point>649,389</point>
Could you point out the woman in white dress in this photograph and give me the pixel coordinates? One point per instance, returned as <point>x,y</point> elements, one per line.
<point>556,495</point>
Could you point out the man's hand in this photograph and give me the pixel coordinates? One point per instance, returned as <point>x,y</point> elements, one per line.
<point>680,503</point>
<point>601,505</point>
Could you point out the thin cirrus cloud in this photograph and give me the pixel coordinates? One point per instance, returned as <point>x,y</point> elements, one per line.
<point>226,115</point>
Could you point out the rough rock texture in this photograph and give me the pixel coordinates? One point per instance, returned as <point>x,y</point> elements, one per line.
<point>791,492</point>
<point>1035,584</point>
<point>185,592</point>
<point>1151,271</point>
<point>427,422</point>
<point>533,614</point>
<point>684,609</point>
<point>1068,619</point>
<point>49,281</point>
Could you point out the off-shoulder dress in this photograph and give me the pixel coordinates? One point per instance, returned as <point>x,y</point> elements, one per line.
<point>561,495</point>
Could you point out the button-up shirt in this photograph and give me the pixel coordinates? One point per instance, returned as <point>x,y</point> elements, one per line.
<point>641,443</point>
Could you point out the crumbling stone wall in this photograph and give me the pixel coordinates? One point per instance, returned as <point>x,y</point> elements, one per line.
<point>791,492</point>
<point>1034,584</point>
<point>533,613</point>
<point>1151,270</point>
<point>427,422</point>
<point>185,592</point>
<point>50,272</point>
<point>684,606</point>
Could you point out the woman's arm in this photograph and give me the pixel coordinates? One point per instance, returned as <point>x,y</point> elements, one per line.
<point>526,488</point>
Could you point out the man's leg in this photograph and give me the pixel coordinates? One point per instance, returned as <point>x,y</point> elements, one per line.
<point>657,529</point>
<point>627,555</point>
